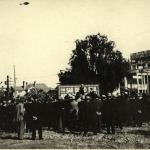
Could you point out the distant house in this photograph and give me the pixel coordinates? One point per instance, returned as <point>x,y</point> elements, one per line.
<point>39,86</point>
<point>20,91</point>
<point>43,87</point>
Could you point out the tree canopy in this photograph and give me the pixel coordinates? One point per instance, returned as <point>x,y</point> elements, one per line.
<point>95,61</point>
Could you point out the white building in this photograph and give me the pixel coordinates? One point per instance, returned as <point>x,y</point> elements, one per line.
<point>140,71</point>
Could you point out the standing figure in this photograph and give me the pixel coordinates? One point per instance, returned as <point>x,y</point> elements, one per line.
<point>20,109</point>
<point>36,123</point>
<point>73,113</point>
<point>81,89</point>
<point>109,114</point>
<point>84,114</point>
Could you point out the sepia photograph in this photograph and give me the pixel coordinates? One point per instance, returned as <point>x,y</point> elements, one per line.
<point>74,74</point>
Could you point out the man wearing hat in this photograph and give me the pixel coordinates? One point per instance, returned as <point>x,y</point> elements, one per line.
<point>85,114</point>
<point>20,109</point>
<point>36,123</point>
<point>72,112</point>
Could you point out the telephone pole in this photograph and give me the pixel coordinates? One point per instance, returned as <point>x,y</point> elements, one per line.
<point>7,83</point>
<point>14,82</point>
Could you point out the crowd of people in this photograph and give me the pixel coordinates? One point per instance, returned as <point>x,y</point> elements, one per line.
<point>78,114</point>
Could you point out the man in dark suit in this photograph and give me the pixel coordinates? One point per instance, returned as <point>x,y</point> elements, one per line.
<point>85,115</point>
<point>36,123</point>
<point>109,114</point>
<point>73,113</point>
<point>95,112</point>
<point>20,109</point>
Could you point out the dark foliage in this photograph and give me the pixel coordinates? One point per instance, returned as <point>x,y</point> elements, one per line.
<point>94,61</point>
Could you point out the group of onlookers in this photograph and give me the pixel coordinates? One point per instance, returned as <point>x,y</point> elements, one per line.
<point>80,113</point>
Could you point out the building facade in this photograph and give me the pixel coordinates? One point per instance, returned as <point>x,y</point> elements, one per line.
<point>140,72</point>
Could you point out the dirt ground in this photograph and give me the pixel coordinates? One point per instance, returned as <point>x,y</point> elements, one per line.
<point>128,137</point>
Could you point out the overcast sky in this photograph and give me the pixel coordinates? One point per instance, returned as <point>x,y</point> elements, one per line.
<point>38,38</point>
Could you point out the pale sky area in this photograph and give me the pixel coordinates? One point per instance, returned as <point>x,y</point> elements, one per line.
<point>39,38</point>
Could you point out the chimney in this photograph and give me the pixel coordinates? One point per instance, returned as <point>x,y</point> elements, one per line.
<point>23,84</point>
<point>34,84</point>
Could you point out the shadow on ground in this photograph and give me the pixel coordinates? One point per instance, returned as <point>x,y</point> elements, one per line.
<point>140,132</point>
<point>9,137</point>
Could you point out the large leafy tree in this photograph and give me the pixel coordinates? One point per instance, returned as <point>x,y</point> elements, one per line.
<point>95,61</point>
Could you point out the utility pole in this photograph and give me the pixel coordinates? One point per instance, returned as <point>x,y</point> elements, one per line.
<point>147,83</point>
<point>7,83</point>
<point>7,86</point>
<point>14,82</point>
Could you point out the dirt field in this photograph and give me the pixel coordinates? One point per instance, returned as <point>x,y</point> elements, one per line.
<point>129,137</point>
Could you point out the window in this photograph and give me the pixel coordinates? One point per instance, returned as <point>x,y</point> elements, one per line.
<point>133,67</point>
<point>145,79</point>
<point>134,81</point>
<point>140,81</point>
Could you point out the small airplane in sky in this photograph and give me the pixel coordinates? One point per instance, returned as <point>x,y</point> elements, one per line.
<point>25,3</point>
